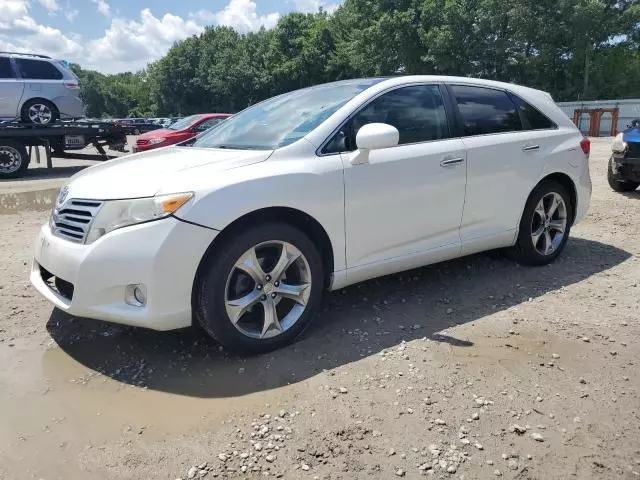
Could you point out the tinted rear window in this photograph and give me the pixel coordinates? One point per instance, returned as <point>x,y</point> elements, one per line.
<point>534,119</point>
<point>485,110</point>
<point>37,69</point>
<point>5,68</point>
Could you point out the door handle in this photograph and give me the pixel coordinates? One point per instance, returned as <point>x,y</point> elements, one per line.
<point>448,162</point>
<point>528,148</point>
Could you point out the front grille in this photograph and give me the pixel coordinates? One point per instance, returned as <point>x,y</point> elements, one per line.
<point>142,141</point>
<point>73,218</point>
<point>633,150</point>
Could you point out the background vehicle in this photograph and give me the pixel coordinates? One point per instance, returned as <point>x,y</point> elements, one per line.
<point>179,131</point>
<point>317,188</point>
<point>38,89</point>
<point>136,126</point>
<point>623,173</point>
<point>16,140</point>
<point>164,122</point>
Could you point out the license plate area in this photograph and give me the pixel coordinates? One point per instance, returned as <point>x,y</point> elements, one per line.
<point>74,141</point>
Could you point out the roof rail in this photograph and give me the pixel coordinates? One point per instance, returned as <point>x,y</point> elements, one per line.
<point>27,54</point>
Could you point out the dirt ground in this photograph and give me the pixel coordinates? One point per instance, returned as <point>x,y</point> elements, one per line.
<point>473,369</point>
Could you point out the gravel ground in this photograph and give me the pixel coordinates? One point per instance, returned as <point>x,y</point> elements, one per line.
<point>473,369</point>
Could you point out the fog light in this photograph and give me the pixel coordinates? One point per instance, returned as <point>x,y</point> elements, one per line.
<point>136,295</point>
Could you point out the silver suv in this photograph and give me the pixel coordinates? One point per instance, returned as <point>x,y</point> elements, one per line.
<point>37,89</point>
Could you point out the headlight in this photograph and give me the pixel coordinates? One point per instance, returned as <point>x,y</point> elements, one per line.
<point>619,145</point>
<point>116,214</point>
<point>155,141</point>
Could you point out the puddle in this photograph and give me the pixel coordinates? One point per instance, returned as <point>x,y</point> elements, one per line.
<point>20,201</point>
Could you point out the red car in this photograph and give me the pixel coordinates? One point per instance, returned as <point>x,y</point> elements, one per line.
<point>180,131</point>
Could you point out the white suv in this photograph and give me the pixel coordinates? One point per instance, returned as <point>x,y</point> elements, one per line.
<point>243,229</point>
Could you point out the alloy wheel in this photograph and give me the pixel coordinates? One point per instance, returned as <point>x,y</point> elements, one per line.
<point>40,114</point>
<point>268,289</point>
<point>549,223</point>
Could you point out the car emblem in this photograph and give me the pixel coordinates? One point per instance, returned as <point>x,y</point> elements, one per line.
<point>62,195</point>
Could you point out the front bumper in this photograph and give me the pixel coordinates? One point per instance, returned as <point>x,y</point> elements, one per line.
<point>162,255</point>
<point>626,169</point>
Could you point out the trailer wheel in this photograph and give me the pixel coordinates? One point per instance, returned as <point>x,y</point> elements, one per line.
<point>14,160</point>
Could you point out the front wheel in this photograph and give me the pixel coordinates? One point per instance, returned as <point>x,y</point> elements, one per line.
<point>545,225</point>
<point>619,185</point>
<point>260,289</point>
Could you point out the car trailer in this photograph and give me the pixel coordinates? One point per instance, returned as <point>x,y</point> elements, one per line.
<point>18,139</point>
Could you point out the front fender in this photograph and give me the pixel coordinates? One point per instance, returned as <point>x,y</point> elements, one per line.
<point>315,187</point>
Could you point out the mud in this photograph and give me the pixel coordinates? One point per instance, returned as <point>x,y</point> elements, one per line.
<point>390,372</point>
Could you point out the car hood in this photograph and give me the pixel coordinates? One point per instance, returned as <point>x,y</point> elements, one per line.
<point>145,174</point>
<point>632,135</point>
<point>160,132</point>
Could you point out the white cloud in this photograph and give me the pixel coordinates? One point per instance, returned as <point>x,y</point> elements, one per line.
<point>71,14</point>
<point>19,31</point>
<point>127,44</point>
<point>51,5</point>
<point>10,10</point>
<point>103,7</point>
<point>312,6</point>
<point>241,15</point>
<point>131,44</point>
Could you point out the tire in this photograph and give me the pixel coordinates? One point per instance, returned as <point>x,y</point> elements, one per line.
<point>14,159</point>
<point>527,252</point>
<point>136,131</point>
<point>619,185</point>
<point>220,281</point>
<point>49,112</point>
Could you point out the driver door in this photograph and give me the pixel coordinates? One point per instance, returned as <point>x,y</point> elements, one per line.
<point>404,207</point>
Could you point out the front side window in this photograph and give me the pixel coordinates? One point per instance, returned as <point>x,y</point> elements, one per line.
<point>6,71</point>
<point>485,110</point>
<point>417,112</point>
<point>37,69</point>
<point>533,118</point>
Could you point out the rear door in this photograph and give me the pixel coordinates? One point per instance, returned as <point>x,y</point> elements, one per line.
<point>500,166</point>
<point>11,89</point>
<point>41,79</point>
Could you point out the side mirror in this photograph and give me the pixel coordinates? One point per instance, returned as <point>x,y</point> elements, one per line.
<point>374,136</point>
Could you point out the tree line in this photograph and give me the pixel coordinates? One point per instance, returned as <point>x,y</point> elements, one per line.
<point>574,49</point>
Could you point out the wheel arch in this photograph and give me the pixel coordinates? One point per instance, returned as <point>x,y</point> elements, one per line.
<point>39,99</point>
<point>567,182</point>
<point>563,179</point>
<point>294,217</point>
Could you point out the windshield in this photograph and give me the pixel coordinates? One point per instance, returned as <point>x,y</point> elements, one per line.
<point>184,123</point>
<point>282,120</point>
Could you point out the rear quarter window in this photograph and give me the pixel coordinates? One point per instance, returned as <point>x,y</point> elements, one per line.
<point>486,110</point>
<point>37,69</point>
<point>533,118</point>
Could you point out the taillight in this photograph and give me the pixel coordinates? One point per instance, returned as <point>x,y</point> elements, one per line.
<point>585,145</point>
<point>72,85</point>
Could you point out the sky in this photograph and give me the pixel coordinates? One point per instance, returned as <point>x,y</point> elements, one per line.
<point>114,36</point>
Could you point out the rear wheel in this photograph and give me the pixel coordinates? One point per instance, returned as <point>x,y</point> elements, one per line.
<point>39,112</point>
<point>545,225</point>
<point>14,159</point>
<point>619,185</point>
<point>260,289</point>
